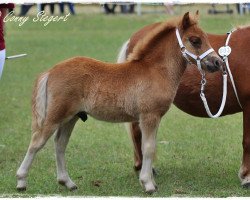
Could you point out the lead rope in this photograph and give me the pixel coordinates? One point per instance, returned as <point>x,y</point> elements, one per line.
<point>224,52</point>
<point>232,80</point>
<point>225,58</point>
<point>224,97</point>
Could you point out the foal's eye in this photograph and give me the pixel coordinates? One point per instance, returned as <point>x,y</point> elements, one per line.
<point>195,41</point>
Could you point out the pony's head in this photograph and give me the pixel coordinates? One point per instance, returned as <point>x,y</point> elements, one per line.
<point>195,41</point>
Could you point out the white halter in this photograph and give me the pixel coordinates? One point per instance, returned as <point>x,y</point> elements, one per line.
<point>198,59</point>
<point>185,52</point>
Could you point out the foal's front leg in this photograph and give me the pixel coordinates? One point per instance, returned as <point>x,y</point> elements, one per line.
<point>149,124</point>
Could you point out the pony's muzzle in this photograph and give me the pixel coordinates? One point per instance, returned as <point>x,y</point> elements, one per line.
<point>213,63</point>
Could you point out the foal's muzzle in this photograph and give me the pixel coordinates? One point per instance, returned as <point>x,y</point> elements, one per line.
<point>213,63</point>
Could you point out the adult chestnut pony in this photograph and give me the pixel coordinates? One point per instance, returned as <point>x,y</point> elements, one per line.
<point>140,89</point>
<point>188,94</point>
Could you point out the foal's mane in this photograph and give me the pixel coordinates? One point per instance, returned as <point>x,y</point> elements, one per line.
<point>144,44</point>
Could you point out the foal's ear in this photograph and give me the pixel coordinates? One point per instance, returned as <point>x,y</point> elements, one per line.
<point>197,15</point>
<point>186,22</point>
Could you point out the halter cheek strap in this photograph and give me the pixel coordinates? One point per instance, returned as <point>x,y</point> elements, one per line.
<point>186,53</point>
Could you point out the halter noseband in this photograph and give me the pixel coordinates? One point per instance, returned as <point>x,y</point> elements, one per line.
<point>185,52</point>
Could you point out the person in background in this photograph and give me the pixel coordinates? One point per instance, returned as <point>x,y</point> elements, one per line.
<point>51,5</point>
<point>71,7</point>
<point>3,11</point>
<point>242,7</point>
<point>109,8</point>
<point>25,8</point>
<point>127,8</point>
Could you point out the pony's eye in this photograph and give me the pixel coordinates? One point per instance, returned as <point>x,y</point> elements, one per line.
<point>195,41</point>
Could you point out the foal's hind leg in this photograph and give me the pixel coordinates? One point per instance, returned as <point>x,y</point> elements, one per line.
<point>61,141</point>
<point>149,125</point>
<point>38,140</point>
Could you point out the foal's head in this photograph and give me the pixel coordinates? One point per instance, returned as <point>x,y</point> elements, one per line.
<point>196,42</point>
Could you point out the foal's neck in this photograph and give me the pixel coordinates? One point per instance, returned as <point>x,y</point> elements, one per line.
<point>166,57</point>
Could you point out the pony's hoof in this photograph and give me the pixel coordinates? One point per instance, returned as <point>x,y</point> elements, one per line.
<point>21,185</point>
<point>68,184</point>
<point>21,189</point>
<point>149,187</point>
<point>245,183</point>
<point>73,188</point>
<point>246,186</point>
<point>151,191</point>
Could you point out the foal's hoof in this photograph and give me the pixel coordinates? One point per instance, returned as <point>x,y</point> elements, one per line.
<point>69,184</point>
<point>151,190</point>
<point>73,188</point>
<point>21,185</point>
<point>149,187</point>
<point>21,189</point>
<point>246,186</point>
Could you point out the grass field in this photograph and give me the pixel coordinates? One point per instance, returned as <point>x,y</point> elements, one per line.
<point>195,157</point>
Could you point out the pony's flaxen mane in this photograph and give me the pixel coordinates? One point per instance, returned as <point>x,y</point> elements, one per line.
<point>242,26</point>
<point>143,44</point>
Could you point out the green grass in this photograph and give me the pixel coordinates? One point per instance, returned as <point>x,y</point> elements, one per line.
<point>195,157</point>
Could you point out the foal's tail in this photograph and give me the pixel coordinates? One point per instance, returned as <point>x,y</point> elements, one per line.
<point>39,100</point>
<point>122,54</point>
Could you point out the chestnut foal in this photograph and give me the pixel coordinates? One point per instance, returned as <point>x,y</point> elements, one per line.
<point>142,89</point>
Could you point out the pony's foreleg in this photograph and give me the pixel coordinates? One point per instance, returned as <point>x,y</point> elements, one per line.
<point>61,140</point>
<point>149,125</point>
<point>38,140</point>
<point>244,173</point>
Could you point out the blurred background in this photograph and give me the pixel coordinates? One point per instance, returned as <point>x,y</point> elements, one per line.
<point>130,8</point>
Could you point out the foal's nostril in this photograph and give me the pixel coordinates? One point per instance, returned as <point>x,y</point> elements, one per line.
<point>214,64</point>
<point>217,63</point>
